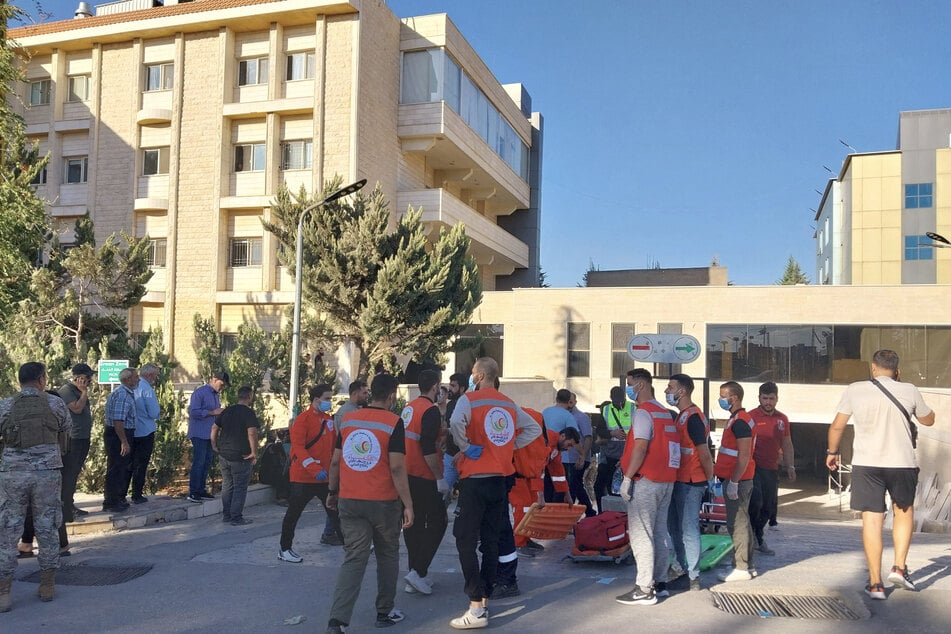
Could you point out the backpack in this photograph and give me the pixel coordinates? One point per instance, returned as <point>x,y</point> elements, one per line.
<point>604,532</point>
<point>274,465</point>
<point>531,460</point>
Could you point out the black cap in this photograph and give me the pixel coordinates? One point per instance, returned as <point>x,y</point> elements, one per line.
<point>221,375</point>
<point>81,369</point>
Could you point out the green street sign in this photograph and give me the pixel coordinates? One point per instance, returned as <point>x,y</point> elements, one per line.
<point>109,370</point>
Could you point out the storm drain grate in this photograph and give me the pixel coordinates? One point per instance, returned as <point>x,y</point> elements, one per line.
<point>85,575</point>
<point>784,605</point>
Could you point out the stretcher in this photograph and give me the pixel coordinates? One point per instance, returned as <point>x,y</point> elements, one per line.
<point>713,514</point>
<point>552,521</point>
<point>616,556</point>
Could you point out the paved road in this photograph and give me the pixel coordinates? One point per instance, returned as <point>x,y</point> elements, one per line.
<point>210,577</point>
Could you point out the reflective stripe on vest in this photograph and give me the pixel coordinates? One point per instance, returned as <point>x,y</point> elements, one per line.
<point>729,449</point>
<point>690,468</point>
<point>495,436</point>
<point>663,450</point>
<point>412,417</point>
<point>365,463</point>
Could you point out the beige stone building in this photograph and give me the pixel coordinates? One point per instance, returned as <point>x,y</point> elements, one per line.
<point>180,123</point>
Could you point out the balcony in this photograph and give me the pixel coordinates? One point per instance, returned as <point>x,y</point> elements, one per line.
<point>457,153</point>
<point>491,245</point>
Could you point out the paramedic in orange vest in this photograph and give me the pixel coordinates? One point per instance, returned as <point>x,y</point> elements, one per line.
<point>312,445</point>
<point>735,468</point>
<point>423,423</point>
<point>696,470</point>
<point>369,489</point>
<point>484,424</point>
<point>650,462</point>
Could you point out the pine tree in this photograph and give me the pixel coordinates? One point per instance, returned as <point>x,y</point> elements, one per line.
<point>793,274</point>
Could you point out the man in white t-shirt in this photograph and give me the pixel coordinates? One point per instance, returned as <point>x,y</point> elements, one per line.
<point>883,459</point>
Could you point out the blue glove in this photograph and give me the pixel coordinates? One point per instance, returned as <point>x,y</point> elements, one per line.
<point>473,452</point>
<point>321,476</point>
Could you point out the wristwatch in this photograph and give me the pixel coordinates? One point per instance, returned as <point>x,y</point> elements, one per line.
<point>829,452</point>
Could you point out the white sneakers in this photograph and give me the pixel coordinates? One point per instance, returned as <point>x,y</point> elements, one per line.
<point>290,556</point>
<point>470,620</point>
<point>415,583</point>
<point>735,575</point>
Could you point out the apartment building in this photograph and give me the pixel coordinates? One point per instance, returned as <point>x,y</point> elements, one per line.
<point>180,122</point>
<point>873,217</point>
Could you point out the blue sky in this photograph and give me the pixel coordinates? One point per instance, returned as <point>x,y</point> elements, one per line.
<point>680,131</point>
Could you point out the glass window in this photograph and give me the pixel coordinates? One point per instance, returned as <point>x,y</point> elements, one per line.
<point>155,161</point>
<point>919,195</point>
<point>252,71</point>
<point>40,178</point>
<point>159,77</point>
<point>245,252</point>
<point>229,343</point>
<point>579,349</point>
<point>918,248</point>
<point>300,66</point>
<point>249,157</point>
<point>479,340</point>
<point>76,170</point>
<point>155,256</point>
<point>422,72</point>
<point>451,84</point>
<point>621,362</point>
<point>78,88</point>
<point>40,92</point>
<point>296,155</point>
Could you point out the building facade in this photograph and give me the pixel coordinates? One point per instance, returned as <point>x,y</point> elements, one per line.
<point>181,122</point>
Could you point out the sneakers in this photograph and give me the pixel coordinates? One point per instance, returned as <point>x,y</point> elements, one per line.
<point>386,620</point>
<point>79,511</point>
<point>139,499</point>
<point>470,620</point>
<point>533,545</point>
<point>336,628</point>
<point>417,583</point>
<point>763,547</point>
<point>660,588</point>
<point>898,577</point>
<point>505,590</point>
<point>194,498</point>
<point>206,496</point>
<point>735,575</point>
<point>289,556</point>
<point>243,521</point>
<point>331,540</point>
<point>695,585</point>
<point>876,591</point>
<point>637,596</point>
<point>525,551</point>
<point>675,572</point>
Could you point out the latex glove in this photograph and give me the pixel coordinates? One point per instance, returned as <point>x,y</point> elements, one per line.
<point>473,452</point>
<point>712,485</point>
<point>321,476</point>
<point>442,486</point>
<point>627,489</point>
<point>733,490</point>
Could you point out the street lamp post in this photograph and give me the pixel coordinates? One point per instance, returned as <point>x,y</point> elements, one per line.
<point>299,287</point>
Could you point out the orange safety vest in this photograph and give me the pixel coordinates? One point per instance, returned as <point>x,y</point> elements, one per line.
<point>690,469</point>
<point>729,449</point>
<point>663,451</point>
<point>307,462</point>
<point>365,460</point>
<point>412,416</point>
<point>492,426</point>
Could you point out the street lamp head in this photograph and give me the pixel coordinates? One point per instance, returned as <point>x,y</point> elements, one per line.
<point>937,237</point>
<point>352,188</point>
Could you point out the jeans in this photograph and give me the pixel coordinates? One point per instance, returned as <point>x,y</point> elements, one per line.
<point>738,523</point>
<point>647,529</point>
<point>235,475</point>
<point>201,464</point>
<point>73,463</point>
<point>118,468</point>
<point>451,476</point>
<point>142,447</point>
<point>481,517</point>
<point>765,499</point>
<point>429,524</point>
<point>366,523</point>
<point>683,522</point>
<point>301,494</point>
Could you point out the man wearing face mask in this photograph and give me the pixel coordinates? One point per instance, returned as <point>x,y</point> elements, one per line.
<point>617,417</point>
<point>735,468</point>
<point>313,435</point>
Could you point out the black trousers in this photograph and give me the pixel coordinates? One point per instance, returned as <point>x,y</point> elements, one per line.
<point>507,574</point>
<point>429,524</point>
<point>576,487</point>
<point>602,484</point>
<point>482,516</point>
<point>73,463</point>
<point>300,494</point>
<point>141,454</point>
<point>118,468</point>
<point>765,499</point>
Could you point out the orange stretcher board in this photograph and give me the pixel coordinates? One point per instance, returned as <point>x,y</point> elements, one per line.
<point>552,521</point>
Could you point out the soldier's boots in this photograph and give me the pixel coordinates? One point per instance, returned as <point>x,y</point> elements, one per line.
<point>5,594</point>
<point>47,584</point>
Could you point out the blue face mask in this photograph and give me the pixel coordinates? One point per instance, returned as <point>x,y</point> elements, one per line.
<point>472,385</point>
<point>724,403</point>
<point>631,393</point>
<point>672,399</point>
<point>324,406</point>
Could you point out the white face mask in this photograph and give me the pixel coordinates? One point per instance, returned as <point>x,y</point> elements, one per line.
<point>672,399</point>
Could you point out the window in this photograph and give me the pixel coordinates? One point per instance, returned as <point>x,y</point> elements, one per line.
<point>245,252</point>
<point>77,88</point>
<point>579,349</point>
<point>155,256</point>
<point>76,170</point>
<point>479,340</point>
<point>159,77</point>
<point>296,155</point>
<point>40,92</point>
<point>40,178</point>
<point>918,248</point>
<point>155,161</point>
<point>300,66</point>
<point>249,157</point>
<point>229,343</point>
<point>252,71</point>
<point>919,196</point>
<point>620,361</point>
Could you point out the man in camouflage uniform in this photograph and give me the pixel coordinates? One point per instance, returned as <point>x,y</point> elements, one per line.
<point>34,426</point>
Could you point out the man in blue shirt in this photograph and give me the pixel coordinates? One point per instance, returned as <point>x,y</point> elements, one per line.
<point>557,419</point>
<point>120,427</point>
<point>146,413</point>
<point>202,409</point>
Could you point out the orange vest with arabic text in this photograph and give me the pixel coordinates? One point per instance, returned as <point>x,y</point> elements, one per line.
<point>492,426</point>
<point>412,416</point>
<point>365,459</point>
<point>690,467</point>
<point>663,451</point>
<point>729,449</point>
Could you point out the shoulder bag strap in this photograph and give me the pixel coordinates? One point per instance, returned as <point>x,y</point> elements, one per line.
<point>323,428</point>
<point>901,408</point>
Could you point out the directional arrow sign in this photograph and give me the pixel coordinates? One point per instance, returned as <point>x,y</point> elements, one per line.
<point>663,348</point>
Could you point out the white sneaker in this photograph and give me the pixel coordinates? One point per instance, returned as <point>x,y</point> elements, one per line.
<point>735,575</point>
<point>290,556</point>
<point>418,583</point>
<point>408,589</point>
<point>470,621</point>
